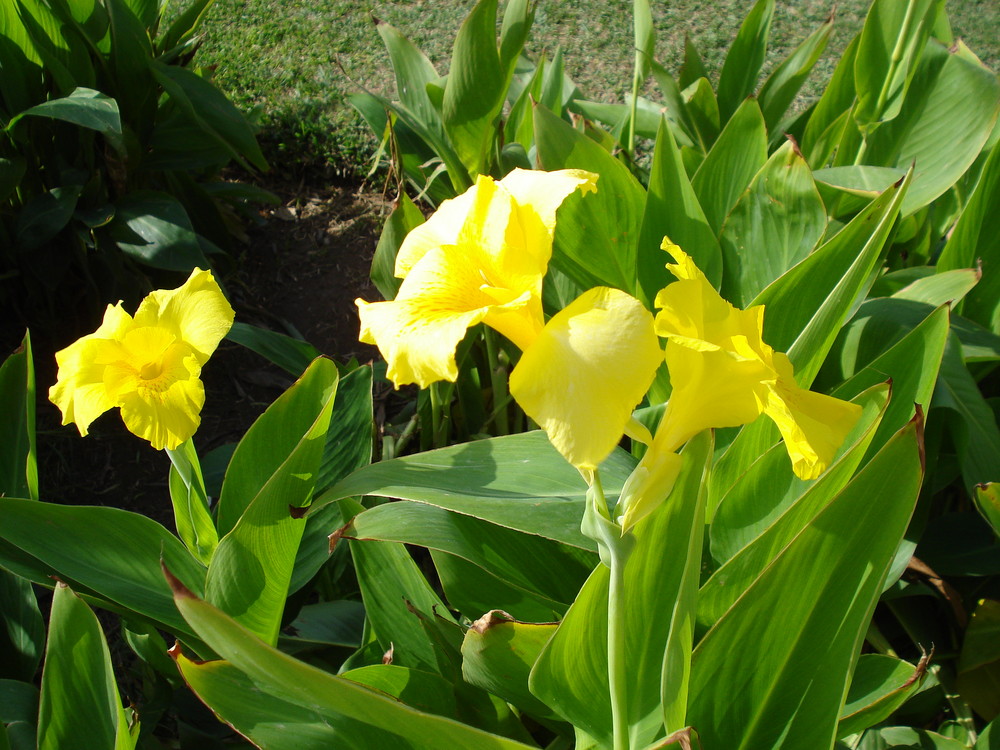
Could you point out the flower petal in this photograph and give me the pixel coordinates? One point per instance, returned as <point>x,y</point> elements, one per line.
<point>167,411</point>
<point>648,485</point>
<point>196,312</point>
<point>440,229</point>
<point>813,425</point>
<point>586,371</point>
<point>79,390</point>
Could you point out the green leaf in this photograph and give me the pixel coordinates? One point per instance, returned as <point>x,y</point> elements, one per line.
<point>497,655</point>
<point>86,108</point>
<point>192,516</point>
<point>775,224</point>
<point>413,71</point>
<point>736,157</point>
<point>475,90</point>
<point>836,567</point>
<point>596,234</point>
<point>534,564</point>
<point>184,25</point>
<point>405,217</point>
<point>130,58</point>
<point>890,46</point>
<point>18,701</point>
<point>703,110</point>
<point>518,16</point>
<point>291,355</point>
<point>880,685</point>
<point>44,215</point>
<point>672,210</point>
<point>272,473</point>
<point>906,738</point>
<point>987,497</point>
<point>975,432</point>
<point>692,68</point>
<point>832,112</point>
<point>18,460</point>
<point>328,695</point>
<point>738,77</point>
<point>213,113</point>
<point>571,675</point>
<point>80,706</point>
<point>22,632</point>
<point>155,229</point>
<point>517,481</point>
<point>106,550</point>
<point>952,101</point>
<point>979,660</point>
<point>975,238</point>
<point>807,305</point>
<point>782,86</point>
<point>273,723</point>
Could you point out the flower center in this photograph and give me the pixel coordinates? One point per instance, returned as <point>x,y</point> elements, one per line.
<point>151,370</point>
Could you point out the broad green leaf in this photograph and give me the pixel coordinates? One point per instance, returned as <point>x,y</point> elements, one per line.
<point>517,481</point>
<point>596,234</point>
<point>951,101</point>
<point>571,675</point>
<point>775,224</point>
<point>11,172</point>
<point>944,288</point>
<point>44,215</point>
<point>413,71</point>
<point>736,157</point>
<point>833,107</point>
<point>675,110</point>
<point>66,61</point>
<point>272,473</point>
<point>80,706</point>
<point>86,108</point>
<point>154,228</point>
<point>130,58</point>
<point>22,632</point>
<point>533,563</point>
<point>348,447</point>
<point>18,460</point>
<point>979,661</point>
<point>989,739</point>
<point>192,516</point>
<point>212,112</point>
<point>738,77</point>
<point>879,686</point>
<point>692,68</point>
<point>328,695</point>
<point>18,701</point>
<point>338,622</point>
<point>890,46</point>
<point>291,355</point>
<point>906,738</point>
<point>976,237</point>
<point>782,86</point>
<point>105,550</point>
<point>769,505</point>
<point>835,567</point>
<point>475,90</point>
<point>975,430</point>
<point>518,16</point>
<point>184,25</point>
<point>405,216</point>
<point>807,305</point>
<point>497,655</point>
<point>271,722</point>
<point>672,210</point>
<point>703,110</point>
<point>987,498</point>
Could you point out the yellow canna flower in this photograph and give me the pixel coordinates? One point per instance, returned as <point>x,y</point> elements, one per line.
<point>586,371</point>
<point>480,257</point>
<point>724,375</point>
<point>147,365</point>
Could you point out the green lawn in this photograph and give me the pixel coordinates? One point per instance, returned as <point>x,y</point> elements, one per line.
<point>296,60</point>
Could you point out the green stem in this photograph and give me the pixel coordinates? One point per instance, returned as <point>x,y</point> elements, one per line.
<point>498,381</point>
<point>617,674</point>
<point>439,420</point>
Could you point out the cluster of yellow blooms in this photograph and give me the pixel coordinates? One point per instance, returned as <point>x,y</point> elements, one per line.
<point>482,257</point>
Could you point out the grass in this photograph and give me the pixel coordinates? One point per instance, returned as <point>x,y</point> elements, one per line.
<point>295,61</point>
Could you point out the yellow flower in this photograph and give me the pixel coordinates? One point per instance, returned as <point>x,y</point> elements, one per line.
<point>480,258</point>
<point>148,365</point>
<point>586,371</point>
<point>723,375</point>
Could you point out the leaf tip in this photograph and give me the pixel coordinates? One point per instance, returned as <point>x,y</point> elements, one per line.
<point>491,619</point>
<point>180,591</point>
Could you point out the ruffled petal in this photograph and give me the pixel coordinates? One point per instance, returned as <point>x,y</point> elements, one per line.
<point>440,229</point>
<point>586,371</point>
<point>813,425</point>
<point>196,312</point>
<point>165,410</point>
<point>79,390</point>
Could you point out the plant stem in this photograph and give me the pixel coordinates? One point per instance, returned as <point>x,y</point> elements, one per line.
<point>498,381</point>
<point>617,675</point>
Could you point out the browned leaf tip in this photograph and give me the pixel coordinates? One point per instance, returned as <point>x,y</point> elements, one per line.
<point>387,656</point>
<point>795,145</point>
<point>176,651</point>
<point>178,588</point>
<point>490,619</point>
<point>336,535</point>
<point>685,738</point>
<point>918,419</point>
<point>954,599</point>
